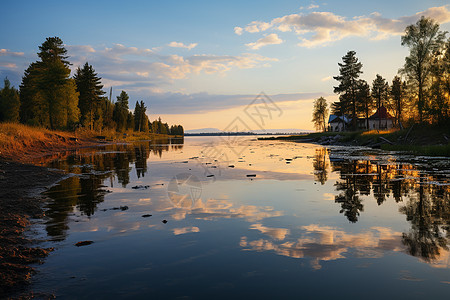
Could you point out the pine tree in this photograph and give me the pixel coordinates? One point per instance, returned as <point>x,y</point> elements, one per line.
<point>9,103</point>
<point>46,92</point>
<point>130,121</point>
<point>380,90</point>
<point>349,72</point>
<point>365,101</point>
<point>137,116</point>
<point>90,88</point>
<point>140,117</point>
<point>121,111</point>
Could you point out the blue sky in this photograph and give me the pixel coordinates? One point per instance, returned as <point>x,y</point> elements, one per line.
<point>199,62</point>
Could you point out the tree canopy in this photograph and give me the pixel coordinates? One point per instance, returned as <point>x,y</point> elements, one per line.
<point>48,97</point>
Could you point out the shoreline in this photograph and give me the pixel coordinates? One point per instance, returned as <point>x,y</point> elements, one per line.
<point>23,179</point>
<point>416,140</point>
<point>21,186</point>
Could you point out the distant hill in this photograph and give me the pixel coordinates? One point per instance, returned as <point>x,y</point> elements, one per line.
<point>266,131</point>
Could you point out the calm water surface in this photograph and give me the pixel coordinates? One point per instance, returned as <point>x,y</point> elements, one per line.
<point>311,223</point>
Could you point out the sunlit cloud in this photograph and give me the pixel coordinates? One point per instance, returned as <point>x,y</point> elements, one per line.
<point>181,45</point>
<point>133,67</point>
<point>257,26</point>
<point>184,230</point>
<point>8,65</point>
<point>271,39</point>
<point>6,52</point>
<point>211,209</point>
<point>325,243</point>
<point>322,28</point>
<point>238,30</point>
<point>328,78</point>
<point>276,233</point>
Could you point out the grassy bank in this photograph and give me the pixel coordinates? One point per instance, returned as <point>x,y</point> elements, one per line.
<point>24,143</point>
<point>418,139</point>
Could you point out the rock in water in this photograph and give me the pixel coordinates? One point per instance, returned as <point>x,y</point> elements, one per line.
<point>83,243</point>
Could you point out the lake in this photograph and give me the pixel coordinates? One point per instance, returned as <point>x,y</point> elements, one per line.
<point>218,218</point>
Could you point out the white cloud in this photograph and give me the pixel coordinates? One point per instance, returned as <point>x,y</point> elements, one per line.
<point>6,52</point>
<point>136,69</point>
<point>326,78</point>
<point>321,28</point>
<point>80,48</point>
<point>257,26</point>
<point>181,45</point>
<point>271,39</point>
<point>238,30</point>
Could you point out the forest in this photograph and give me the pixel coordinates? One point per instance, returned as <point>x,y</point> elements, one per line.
<point>420,93</point>
<point>48,97</point>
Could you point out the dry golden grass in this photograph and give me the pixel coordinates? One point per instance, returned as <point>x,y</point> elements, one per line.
<point>24,143</point>
<point>372,132</point>
<point>21,142</point>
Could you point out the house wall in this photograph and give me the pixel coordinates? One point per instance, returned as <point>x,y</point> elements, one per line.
<point>385,124</point>
<point>336,126</point>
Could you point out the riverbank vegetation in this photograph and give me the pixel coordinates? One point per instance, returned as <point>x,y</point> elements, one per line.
<point>49,98</point>
<point>31,144</point>
<point>419,94</point>
<point>420,139</point>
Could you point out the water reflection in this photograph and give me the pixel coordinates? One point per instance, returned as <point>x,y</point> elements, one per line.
<point>325,243</point>
<point>421,193</point>
<point>81,194</point>
<point>425,194</point>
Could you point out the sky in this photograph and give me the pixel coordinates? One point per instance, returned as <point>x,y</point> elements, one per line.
<point>201,63</point>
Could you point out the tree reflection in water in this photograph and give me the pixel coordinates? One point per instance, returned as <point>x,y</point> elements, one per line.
<point>82,193</point>
<point>425,194</point>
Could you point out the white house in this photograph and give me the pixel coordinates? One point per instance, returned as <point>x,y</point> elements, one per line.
<point>381,119</point>
<point>338,123</point>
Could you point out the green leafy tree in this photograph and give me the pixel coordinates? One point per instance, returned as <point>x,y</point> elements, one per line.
<point>90,88</point>
<point>9,103</point>
<point>423,39</point>
<point>320,113</point>
<point>66,109</point>
<point>349,72</point>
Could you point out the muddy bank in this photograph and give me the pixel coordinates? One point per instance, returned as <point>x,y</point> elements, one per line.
<point>20,201</point>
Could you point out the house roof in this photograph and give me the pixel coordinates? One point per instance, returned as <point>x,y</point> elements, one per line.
<point>334,118</point>
<point>381,113</point>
